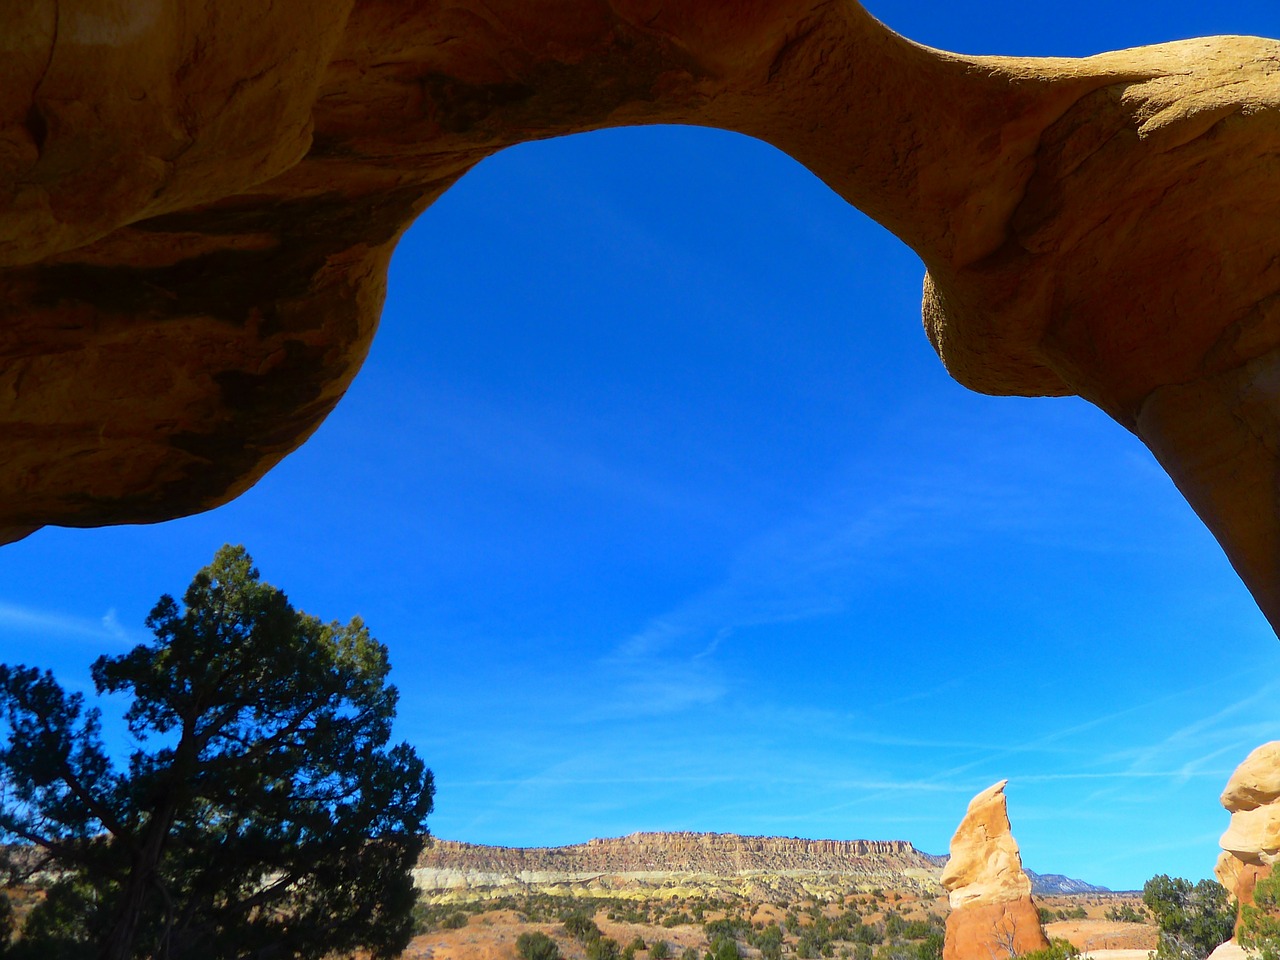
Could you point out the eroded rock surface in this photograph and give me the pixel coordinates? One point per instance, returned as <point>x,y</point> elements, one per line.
<point>677,864</point>
<point>1251,844</point>
<point>198,203</point>
<point>992,913</point>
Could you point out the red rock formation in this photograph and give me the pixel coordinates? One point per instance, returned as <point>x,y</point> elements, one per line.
<point>200,201</point>
<point>992,914</point>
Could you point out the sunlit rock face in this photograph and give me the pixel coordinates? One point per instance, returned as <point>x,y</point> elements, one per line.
<point>992,913</point>
<point>1251,844</point>
<point>198,203</point>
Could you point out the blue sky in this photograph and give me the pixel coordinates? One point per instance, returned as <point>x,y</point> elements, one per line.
<point>671,519</point>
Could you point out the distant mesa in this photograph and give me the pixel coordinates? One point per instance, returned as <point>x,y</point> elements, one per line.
<point>680,864</point>
<point>992,912</point>
<point>677,864</point>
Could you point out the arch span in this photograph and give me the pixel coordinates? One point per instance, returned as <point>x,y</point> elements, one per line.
<point>200,209</point>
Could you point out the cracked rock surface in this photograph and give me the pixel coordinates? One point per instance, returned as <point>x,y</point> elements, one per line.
<point>198,202</point>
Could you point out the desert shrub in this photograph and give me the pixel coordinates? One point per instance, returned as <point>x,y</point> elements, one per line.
<point>1046,915</point>
<point>1058,949</point>
<point>677,919</point>
<point>930,948</point>
<point>659,950</point>
<point>723,948</point>
<point>768,941</point>
<point>735,928</point>
<point>536,945</point>
<point>866,933</point>
<point>1125,913</point>
<point>1193,919</point>
<point>582,928</point>
<point>690,953</point>
<point>603,948</point>
<point>898,928</point>
<point>1260,923</point>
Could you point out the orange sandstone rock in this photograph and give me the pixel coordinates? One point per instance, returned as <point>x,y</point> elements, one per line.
<point>1251,843</point>
<point>1252,796</point>
<point>198,203</point>
<point>992,913</point>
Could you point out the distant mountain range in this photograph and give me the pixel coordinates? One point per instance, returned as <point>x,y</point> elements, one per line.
<point>1048,884</point>
<point>675,863</point>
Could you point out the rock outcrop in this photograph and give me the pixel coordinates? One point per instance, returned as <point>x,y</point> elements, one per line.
<point>676,864</point>
<point>992,914</point>
<point>198,203</point>
<point>1251,844</point>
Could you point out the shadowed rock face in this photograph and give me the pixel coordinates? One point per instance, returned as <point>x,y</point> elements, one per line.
<point>992,914</point>
<point>198,203</point>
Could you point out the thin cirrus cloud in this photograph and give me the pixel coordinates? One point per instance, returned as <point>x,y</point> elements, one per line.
<point>55,624</point>
<point>862,527</point>
<point>1212,735</point>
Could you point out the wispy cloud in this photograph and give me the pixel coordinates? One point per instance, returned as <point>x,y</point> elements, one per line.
<point>111,624</point>
<point>52,624</point>
<point>813,565</point>
<point>662,689</point>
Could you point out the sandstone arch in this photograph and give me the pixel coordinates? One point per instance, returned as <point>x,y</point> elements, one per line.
<point>198,216</point>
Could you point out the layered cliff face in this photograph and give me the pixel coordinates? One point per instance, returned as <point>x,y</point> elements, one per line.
<point>677,863</point>
<point>199,203</point>
<point>1251,843</point>
<point>992,913</point>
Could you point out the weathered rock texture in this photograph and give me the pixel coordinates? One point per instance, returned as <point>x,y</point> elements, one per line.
<point>198,202</point>
<point>992,914</point>
<point>675,864</point>
<point>1251,845</point>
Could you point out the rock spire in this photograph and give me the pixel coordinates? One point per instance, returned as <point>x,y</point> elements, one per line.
<point>992,913</point>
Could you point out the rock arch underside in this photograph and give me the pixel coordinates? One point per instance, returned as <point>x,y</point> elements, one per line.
<point>198,202</point>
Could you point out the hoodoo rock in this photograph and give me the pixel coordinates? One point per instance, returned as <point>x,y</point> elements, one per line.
<point>199,201</point>
<point>992,913</point>
<point>1251,844</point>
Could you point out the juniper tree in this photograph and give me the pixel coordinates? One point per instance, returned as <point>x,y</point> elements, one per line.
<point>262,812</point>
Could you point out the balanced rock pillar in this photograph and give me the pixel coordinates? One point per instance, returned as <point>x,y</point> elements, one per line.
<point>1251,845</point>
<point>992,913</point>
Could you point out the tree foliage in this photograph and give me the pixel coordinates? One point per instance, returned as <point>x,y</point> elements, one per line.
<point>1260,922</point>
<point>581,927</point>
<point>1193,918</point>
<point>603,948</point>
<point>262,812</point>
<point>536,945</point>
<point>1058,949</point>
